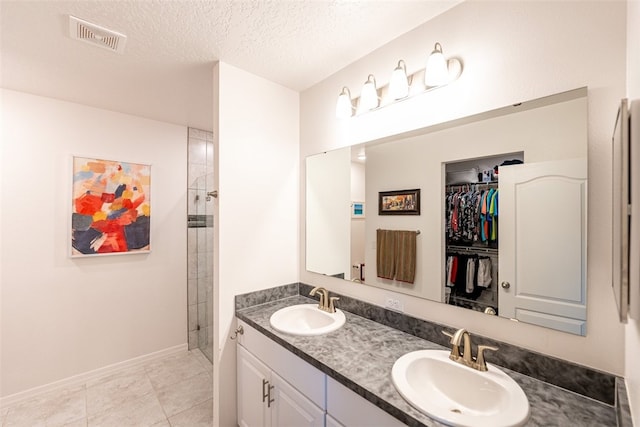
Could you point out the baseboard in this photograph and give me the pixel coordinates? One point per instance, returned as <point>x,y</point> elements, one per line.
<point>80,379</point>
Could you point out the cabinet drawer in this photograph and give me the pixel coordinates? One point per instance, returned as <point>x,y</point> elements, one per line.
<point>305,378</point>
<point>352,410</point>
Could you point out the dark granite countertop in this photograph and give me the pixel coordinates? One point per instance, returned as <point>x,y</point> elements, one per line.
<point>360,356</point>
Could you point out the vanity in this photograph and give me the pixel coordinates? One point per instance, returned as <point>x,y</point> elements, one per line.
<point>343,378</point>
<point>412,214</point>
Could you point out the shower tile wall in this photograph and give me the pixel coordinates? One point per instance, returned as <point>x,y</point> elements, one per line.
<point>200,241</point>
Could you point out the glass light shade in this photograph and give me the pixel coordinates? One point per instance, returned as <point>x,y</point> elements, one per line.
<point>344,107</point>
<point>399,84</point>
<point>369,95</point>
<point>436,72</point>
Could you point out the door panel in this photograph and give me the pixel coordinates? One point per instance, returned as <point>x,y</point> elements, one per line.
<point>252,412</point>
<point>545,205</point>
<point>291,408</point>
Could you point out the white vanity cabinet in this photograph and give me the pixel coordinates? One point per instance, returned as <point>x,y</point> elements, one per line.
<point>347,409</point>
<point>275,388</point>
<point>278,389</point>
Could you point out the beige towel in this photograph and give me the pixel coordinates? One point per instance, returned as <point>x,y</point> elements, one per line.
<point>396,255</point>
<point>385,253</point>
<point>405,256</point>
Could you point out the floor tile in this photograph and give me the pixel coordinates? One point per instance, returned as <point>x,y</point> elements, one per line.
<point>208,366</point>
<point>199,416</point>
<point>173,369</point>
<point>179,386</point>
<point>117,389</point>
<point>185,394</point>
<point>78,423</point>
<point>54,409</point>
<point>144,411</point>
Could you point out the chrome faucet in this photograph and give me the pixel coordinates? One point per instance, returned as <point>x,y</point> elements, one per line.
<point>465,357</point>
<point>326,304</point>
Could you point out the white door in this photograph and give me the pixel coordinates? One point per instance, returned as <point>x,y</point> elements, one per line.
<point>291,409</point>
<point>253,380</point>
<point>543,222</point>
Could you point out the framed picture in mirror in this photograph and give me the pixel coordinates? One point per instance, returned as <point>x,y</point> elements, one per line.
<point>357,209</point>
<point>401,202</point>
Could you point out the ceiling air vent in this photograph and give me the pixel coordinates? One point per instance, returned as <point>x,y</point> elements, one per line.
<point>96,35</point>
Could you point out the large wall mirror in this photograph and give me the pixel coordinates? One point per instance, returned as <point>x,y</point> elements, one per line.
<point>487,213</point>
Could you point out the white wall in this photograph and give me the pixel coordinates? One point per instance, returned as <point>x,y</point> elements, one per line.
<point>256,134</point>
<point>61,316</point>
<point>357,224</point>
<point>512,52</point>
<point>632,332</point>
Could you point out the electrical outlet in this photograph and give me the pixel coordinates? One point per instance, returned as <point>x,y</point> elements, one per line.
<point>394,304</point>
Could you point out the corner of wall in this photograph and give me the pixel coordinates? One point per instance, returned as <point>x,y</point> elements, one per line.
<point>632,329</point>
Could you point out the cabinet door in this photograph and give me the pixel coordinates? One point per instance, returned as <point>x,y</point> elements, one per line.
<point>290,408</point>
<point>332,422</point>
<point>545,205</point>
<point>252,375</point>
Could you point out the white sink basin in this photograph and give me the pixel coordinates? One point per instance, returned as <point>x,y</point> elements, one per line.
<point>457,395</point>
<point>306,320</point>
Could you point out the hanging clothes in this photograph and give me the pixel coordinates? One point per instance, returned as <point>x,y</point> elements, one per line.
<point>471,215</point>
<point>468,274</point>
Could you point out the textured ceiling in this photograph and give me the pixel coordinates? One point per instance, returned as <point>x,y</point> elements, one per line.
<point>165,72</point>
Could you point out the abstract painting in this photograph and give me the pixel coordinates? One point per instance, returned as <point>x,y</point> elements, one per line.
<point>111,211</point>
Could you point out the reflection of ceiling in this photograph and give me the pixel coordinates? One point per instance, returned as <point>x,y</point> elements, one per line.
<point>165,71</point>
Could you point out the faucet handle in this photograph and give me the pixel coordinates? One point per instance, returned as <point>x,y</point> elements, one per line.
<point>449,334</point>
<point>480,362</point>
<point>332,306</point>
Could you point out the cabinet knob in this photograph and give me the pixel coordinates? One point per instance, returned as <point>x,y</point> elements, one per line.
<point>239,330</point>
<point>505,285</point>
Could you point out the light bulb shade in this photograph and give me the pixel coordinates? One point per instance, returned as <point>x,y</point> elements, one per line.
<point>369,95</point>
<point>436,72</point>
<point>399,83</point>
<point>344,107</point>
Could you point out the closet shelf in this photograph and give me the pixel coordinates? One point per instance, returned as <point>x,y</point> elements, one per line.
<point>488,250</point>
<point>474,302</point>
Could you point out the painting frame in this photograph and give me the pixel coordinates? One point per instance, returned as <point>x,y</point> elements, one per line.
<point>399,202</point>
<point>110,207</point>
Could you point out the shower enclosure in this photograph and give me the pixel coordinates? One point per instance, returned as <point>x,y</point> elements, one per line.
<point>200,240</point>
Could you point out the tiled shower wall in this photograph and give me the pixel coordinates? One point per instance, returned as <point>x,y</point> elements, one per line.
<point>200,241</point>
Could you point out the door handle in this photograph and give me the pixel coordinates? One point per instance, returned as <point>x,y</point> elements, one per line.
<point>505,285</point>
<point>266,393</point>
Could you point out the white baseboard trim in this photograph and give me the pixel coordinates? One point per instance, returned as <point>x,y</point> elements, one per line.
<point>80,379</point>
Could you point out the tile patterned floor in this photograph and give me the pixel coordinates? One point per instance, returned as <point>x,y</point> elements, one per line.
<point>174,391</point>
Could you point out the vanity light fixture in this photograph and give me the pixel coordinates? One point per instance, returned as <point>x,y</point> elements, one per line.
<point>438,72</point>
<point>344,106</point>
<point>399,83</point>
<point>369,95</point>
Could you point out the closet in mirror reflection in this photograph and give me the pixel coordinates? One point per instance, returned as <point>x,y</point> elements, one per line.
<point>472,205</point>
<point>526,164</point>
<point>540,277</point>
